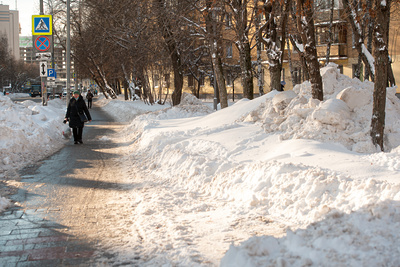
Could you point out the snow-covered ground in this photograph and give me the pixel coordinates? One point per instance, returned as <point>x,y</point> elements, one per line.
<point>282,180</point>
<point>28,133</point>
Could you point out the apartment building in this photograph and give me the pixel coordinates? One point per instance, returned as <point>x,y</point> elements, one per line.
<point>342,52</point>
<point>9,25</point>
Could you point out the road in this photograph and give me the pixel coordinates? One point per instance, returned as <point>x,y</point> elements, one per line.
<point>70,206</point>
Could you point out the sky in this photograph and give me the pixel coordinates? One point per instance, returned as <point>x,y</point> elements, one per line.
<point>26,9</point>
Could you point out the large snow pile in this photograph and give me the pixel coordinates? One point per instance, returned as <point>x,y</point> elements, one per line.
<point>284,158</point>
<point>17,95</point>
<point>124,111</point>
<point>29,131</point>
<point>344,117</point>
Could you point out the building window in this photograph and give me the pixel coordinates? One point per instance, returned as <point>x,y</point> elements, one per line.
<point>190,81</point>
<point>229,50</point>
<point>202,80</point>
<point>229,79</point>
<point>297,75</point>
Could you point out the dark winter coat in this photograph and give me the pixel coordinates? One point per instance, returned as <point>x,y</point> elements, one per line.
<point>74,108</point>
<point>89,96</point>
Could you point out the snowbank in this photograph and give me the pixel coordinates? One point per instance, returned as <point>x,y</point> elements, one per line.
<point>344,117</point>
<point>4,203</point>
<point>284,156</point>
<point>28,132</point>
<point>17,95</point>
<point>125,111</point>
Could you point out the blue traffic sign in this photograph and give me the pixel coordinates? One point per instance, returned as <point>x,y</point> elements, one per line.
<point>42,25</point>
<point>51,73</point>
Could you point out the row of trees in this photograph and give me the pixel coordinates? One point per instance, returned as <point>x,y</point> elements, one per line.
<point>116,40</point>
<point>13,72</point>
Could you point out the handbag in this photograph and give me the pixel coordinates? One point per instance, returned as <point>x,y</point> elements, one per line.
<point>82,115</point>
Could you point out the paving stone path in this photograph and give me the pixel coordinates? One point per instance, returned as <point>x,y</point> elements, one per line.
<point>69,205</point>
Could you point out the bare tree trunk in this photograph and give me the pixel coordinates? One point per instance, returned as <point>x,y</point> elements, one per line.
<point>357,73</point>
<point>242,31</point>
<point>258,42</point>
<point>306,75</point>
<point>381,54</point>
<point>273,44</point>
<point>213,40</point>
<point>329,44</point>
<point>107,87</point>
<point>370,29</point>
<point>247,73</point>
<point>169,38</point>
<point>310,48</point>
<point>359,40</point>
<point>125,82</point>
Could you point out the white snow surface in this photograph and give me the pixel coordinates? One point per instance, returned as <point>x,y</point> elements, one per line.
<point>282,180</point>
<point>28,132</point>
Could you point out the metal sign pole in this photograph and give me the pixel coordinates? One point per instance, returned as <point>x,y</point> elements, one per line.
<point>43,80</point>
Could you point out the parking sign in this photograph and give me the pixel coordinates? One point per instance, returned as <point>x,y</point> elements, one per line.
<point>51,73</point>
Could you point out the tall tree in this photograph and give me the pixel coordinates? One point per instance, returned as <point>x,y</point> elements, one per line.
<point>213,18</point>
<point>274,41</point>
<point>243,22</point>
<point>381,55</point>
<point>258,12</point>
<point>354,16</point>
<point>168,18</point>
<point>305,9</point>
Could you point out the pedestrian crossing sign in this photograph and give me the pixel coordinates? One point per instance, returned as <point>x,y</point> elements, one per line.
<point>42,25</point>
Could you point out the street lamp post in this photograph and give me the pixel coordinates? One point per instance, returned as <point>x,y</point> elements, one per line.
<point>68,52</point>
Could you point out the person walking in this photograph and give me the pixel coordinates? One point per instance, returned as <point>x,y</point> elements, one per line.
<point>75,115</point>
<point>89,97</point>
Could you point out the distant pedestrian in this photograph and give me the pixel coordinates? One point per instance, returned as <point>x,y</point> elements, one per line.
<point>283,83</point>
<point>77,108</point>
<point>89,97</point>
<point>95,91</point>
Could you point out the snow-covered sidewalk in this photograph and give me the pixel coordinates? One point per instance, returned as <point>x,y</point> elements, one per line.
<point>282,180</point>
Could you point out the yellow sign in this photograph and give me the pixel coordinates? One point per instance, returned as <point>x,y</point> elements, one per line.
<point>42,25</point>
